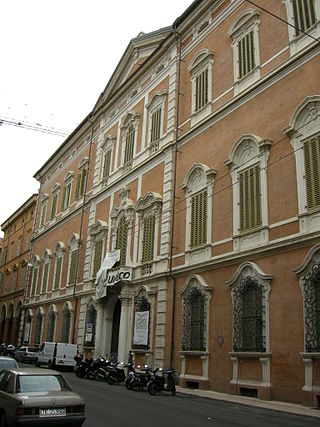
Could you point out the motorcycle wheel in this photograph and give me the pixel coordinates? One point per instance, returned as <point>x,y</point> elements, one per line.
<point>173,390</point>
<point>136,386</point>
<point>110,380</point>
<point>79,373</point>
<point>152,389</point>
<point>128,384</point>
<point>100,376</point>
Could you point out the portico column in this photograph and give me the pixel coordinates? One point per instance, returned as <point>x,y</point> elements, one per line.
<point>125,326</point>
<point>98,350</point>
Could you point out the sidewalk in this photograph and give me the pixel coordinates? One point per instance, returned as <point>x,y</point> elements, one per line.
<point>266,404</point>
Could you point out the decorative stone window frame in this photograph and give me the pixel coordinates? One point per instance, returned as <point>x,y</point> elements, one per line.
<point>46,261</point>
<point>59,253</point>
<point>131,118</point>
<point>310,264</point>
<point>126,210</point>
<point>245,23</point>
<point>252,270</point>
<point>200,177</point>
<point>149,205</point>
<point>303,124</point>
<point>149,295</point>
<point>203,60</point>
<point>206,290</point>
<point>43,212</point>
<point>108,145</point>
<point>23,275</point>
<point>158,100</point>
<point>36,262</point>
<point>74,245</point>
<point>97,232</point>
<point>298,43</point>
<point>68,180</point>
<point>83,167</point>
<point>55,194</point>
<point>248,151</point>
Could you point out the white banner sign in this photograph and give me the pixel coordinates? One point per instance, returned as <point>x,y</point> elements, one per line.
<point>109,261</point>
<point>119,275</point>
<point>141,328</point>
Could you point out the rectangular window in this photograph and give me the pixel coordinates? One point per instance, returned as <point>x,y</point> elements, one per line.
<point>128,154</point>
<point>1,277</point>
<point>97,257</point>
<point>43,215</point>
<point>106,164</point>
<point>121,243</point>
<point>250,198</point>
<point>56,282</point>
<point>28,240</point>
<point>198,234</point>
<point>14,280</point>
<point>34,281</point>
<point>11,252</point>
<point>45,278</point>
<point>81,183</point>
<point>312,171</point>
<point>19,246</point>
<point>23,276</point>
<point>246,54</point>
<point>6,284</point>
<point>155,126</point>
<point>304,15</point>
<point>148,239</point>
<point>3,256</point>
<point>201,90</point>
<point>73,268</point>
<point>54,206</point>
<point>66,196</point>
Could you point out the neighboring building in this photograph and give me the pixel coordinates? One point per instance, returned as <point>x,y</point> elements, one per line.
<point>16,245</point>
<point>211,197</point>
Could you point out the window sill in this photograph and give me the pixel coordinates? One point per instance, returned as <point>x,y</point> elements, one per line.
<point>244,82</point>
<point>194,353</point>
<point>250,354</point>
<point>197,116</point>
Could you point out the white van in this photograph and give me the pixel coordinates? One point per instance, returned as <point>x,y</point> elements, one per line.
<point>57,354</point>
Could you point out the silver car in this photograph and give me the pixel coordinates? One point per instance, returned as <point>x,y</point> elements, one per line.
<point>26,354</point>
<point>34,397</point>
<point>7,362</point>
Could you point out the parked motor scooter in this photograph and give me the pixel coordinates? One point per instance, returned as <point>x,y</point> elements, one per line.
<point>162,380</point>
<point>139,379</point>
<point>10,350</point>
<point>101,370</point>
<point>116,373</point>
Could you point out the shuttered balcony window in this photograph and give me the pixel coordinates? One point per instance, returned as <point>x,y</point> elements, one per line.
<point>201,90</point>
<point>97,257</point>
<point>304,15</point>
<point>312,171</point>
<point>198,234</point>
<point>148,239</point>
<point>246,54</point>
<point>121,243</point>
<point>128,153</point>
<point>250,198</point>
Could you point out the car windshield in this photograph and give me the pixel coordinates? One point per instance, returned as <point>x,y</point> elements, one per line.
<point>41,383</point>
<point>7,364</point>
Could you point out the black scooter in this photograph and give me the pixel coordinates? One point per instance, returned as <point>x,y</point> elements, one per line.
<point>162,381</point>
<point>139,379</point>
<point>116,373</point>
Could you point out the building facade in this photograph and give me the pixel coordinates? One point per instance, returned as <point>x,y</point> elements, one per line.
<point>16,245</point>
<point>200,165</point>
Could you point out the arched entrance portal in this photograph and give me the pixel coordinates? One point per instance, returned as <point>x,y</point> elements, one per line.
<point>115,330</point>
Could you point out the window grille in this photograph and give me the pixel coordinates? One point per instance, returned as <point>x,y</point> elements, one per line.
<point>304,15</point>
<point>128,154</point>
<point>155,126</point>
<point>198,235</point>
<point>66,321</point>
<point>311,289</point>
<point>56,282</point>
<point>201,90</point>
<point>148,239</point>
<point>246,54</point>
<point>248,316</point>
<point>51,325</point>
<point>312,171</point>
<point>97,257</point>
<point>106,164</point>
<point>250,198</point>
<point>193,337</point>
<point>73,267</point>
<point>121,243</point>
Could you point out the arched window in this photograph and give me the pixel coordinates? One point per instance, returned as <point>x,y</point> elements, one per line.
<point>51,324</point>
<point>66,323</point>
<point>27,328</point>
<point>38,327</point>
<point>141,336</point>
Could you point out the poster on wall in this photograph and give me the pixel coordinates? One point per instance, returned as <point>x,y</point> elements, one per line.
<point>141,328</point>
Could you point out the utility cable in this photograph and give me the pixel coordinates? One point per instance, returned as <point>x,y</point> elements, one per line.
<point>32,126</point>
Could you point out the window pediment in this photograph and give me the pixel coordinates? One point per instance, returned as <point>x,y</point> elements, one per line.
<point>108,142</point>
<point>247,148</point>
<point>130,117</point>
<point>69,175</point>
<point>156,100</point>
<point>242,22</point>
<point>201,59</point>
<point>60,247</point>
<point>249,269</point>
<point>198,281</point>
<point>305,116</point>
<point>312,257</point>
<point>148,200</point>
<point>83,162</point>
<point>56,187</point>
<point>98,227</point>
<point>198,177</point>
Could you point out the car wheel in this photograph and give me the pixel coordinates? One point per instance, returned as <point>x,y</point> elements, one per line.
<point>3,421</point>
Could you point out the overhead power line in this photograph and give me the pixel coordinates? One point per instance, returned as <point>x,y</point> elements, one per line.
<point>32,126</point>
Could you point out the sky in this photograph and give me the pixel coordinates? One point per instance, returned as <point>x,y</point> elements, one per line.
<point>56,58</point>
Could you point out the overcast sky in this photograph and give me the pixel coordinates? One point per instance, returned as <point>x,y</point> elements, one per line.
<point>56,58</point>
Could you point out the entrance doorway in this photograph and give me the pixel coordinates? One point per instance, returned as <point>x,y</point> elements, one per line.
<point>115,331</point>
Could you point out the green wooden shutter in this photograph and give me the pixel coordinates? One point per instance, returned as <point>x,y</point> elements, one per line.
<point>97,256</point>
<point>57,273</point>
<point>45,277</point>
<point>155,125</point>
<point>121,243</point>
<point>34,280</point>
<point>312,171</point>
<point>246,54</point>
<point>128,154</point>
<point>73,267</point>
<point>54,206</point>
<point>148,239</point>
<point>106,164</point>
<point>201,90</point>
<point>304,15</point>
<point>250,198</point>
<point>78,186</point>
<point>198,232</point>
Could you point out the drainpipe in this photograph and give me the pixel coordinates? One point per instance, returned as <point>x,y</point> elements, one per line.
<point>173,206</point>
<point>80,237</point>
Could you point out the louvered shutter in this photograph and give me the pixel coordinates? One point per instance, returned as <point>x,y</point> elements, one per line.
<point>198,234</point>
<point>73,266</point>
<point>312,171</point>
<point>304,15</point>
<point>121,243</point>
<point>250,198</point>
<point>97,256</point>
<point>148,239</point>
<point>58,272</point>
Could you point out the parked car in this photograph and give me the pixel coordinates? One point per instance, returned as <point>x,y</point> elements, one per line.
<point>26,354</point>
<point>57,354</point>
<point>34,397</point>
<point>7,362</point>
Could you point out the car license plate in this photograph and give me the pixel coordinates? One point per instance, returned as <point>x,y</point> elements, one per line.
<point>53,412</point>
